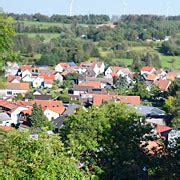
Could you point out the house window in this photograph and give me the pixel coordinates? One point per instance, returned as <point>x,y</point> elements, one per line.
<point>9,92</point>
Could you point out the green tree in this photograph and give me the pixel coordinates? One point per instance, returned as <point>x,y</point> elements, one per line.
<point>41,157</point>
<point>139,89</point>
<point>38,119</point>
<point>155,91</point>
<point>6,34</point>
<point>107,140</point>
<point>169,105</point>
<point>18,97</point>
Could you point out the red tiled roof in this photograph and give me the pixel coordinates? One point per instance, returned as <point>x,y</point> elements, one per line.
<point>58,110</point>
<point>63,65</point>
<point>28,111</point>
<point>100,99</point>
<point>43,103</point>
<point>147,68</point>
<point>163,84</point>
<point>9,105</point>
<point>171,76</point>
<point>135,100</point>
<point>6,128</point>
<point>115,69</point>
<point>48,77</point>
<point>93,84</point>
<point>24,67</point>
<point>162,128</point>
<point>48,82</point>
<point>50,104</point>
<point>114,74</point>
<point>10,78</point>
<point>86,64</point>
<point>45,71</point>
<point>65,73</point>
<point>151,77</point>
<point>17,86</point>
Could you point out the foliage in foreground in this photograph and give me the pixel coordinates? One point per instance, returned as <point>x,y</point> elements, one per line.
<point>103,143</point>
<point>42,157</point>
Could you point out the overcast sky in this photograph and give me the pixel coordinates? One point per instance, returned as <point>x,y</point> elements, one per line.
<point>110,7</point>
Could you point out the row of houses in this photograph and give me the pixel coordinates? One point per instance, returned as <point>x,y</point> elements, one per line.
<point>92,84</point>
<point>91,88</point>
<point>18,77</point>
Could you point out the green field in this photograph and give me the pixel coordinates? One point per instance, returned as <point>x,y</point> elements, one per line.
<point>44,24</point>
<point>166,61</point>
<point>126,61</point>
<point>48,24</point>
<point>47,36</point>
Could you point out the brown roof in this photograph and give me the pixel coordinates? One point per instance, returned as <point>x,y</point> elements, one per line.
<point>9,105</point>
<point>25,67</point>
<point>58,110</point>
<point>135,100</point>
<point>43,103</point>
<point>171,76</point>
<point>151,77</point>
<point>147,68</point>
<point>100,99</point>
<point>17,86</point>
<point>163,84</point>
<point>48,77</point>
<point>56,106</point>
<point>162,128</point>
<point>6,128</point>
<point>94,84</point>
<point>10,78</point>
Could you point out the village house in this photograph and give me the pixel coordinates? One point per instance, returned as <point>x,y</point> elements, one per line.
<point>38,82</point>
<point>9,112</point>
<point>162,130</point>
<point>171,76</point>
<point>61,67</point>
<point>102,98</point>
<point>53,112</point>
<point>113,71</point>
<point>11,68</point>
<point>52,109</point>
<point>13,79</point>
<point>58,77</point>
<point>48,80</point>
<point>105,82</point>
<point>12,89</point>
<point>147,70</point>
<point>28,78</point>
<point>95,66</point>
<point>163,84</point>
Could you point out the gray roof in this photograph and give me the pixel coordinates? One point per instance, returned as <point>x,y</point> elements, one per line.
<point>88,89</point>
<point>4,117</point>
<point>42,97</point>
<point>149,110</point>
<point>103,80</point>
<point>59,122</point>
<point>71,109</point>
<point>72,63</point>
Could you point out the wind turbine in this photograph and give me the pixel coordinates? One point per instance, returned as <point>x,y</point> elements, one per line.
<point>125,4</point>
<point>71,8</point>
<point>168,7</point>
